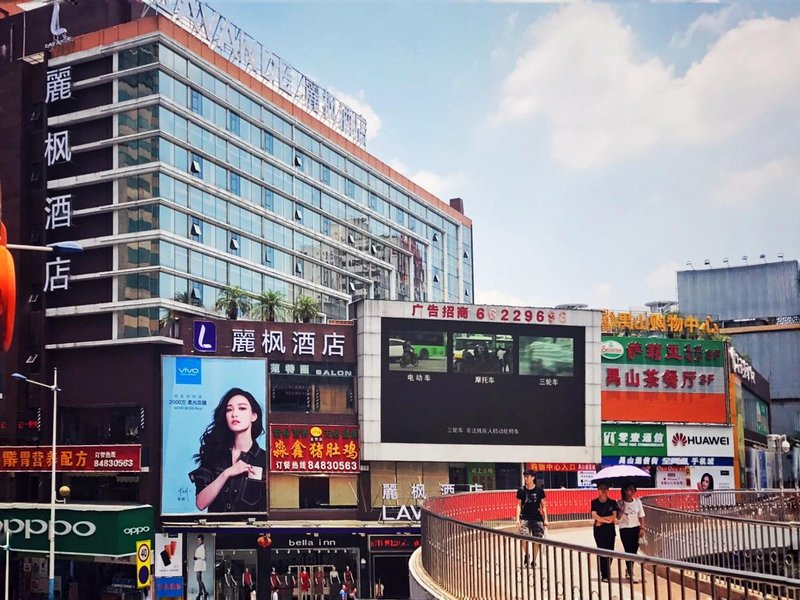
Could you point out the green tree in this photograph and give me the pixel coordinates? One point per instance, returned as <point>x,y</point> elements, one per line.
<point>269,305</point>
<point>304,309</point>
<point>233,301</point>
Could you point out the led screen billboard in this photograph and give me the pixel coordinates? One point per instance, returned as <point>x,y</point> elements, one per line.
<point>214,438</point>
<point>466,382</point>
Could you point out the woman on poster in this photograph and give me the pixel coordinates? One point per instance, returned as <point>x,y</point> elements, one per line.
<point>231,465</point>
<point>200,567</point>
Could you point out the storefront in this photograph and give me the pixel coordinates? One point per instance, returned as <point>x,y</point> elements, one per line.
<point>678,456</point>
<point>95,549</point>
<point>389,555</point>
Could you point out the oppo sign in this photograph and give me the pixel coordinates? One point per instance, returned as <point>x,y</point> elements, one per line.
<point>33,527</point>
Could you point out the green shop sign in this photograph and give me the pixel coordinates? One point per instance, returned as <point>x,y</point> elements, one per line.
<point>80,529</point>
<point>634,440</point>
<point>661,351</point>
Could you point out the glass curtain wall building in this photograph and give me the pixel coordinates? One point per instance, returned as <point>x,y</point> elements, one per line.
<point>212,185</point>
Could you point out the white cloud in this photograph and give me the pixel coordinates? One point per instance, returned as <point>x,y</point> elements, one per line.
<point>499,298</point>
<point>605,102</point>
<point>662,282</point>
<point>440,185</point>
<point>711,23</point>
<point>358,104</point>
<point>779,177</point>
<point>601,294</point>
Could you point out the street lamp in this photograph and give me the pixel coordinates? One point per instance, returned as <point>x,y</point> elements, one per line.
<point>51,534</point>
<point>7,548</point>
<point>59,247</point>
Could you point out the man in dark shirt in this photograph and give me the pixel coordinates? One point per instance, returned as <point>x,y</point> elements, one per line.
<point>531,511</point>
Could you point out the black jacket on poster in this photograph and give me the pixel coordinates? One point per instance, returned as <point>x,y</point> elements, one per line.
<point>240,493</point>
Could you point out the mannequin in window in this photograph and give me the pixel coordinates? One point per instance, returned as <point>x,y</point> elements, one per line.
<point>274,585</point>
<point>230,585</point>
<point>336,583</point>
<point>349,578</point>
<point>319,584</point>
<point>248,584</point>
<point>305,584</point>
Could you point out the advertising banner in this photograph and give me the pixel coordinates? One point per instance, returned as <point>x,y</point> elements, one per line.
<point>671,477</point>
<point>213,407</point>
<point>687,440</point>
<point>451,382</point>
<point>168,551</point>
<point>634,440</point>
<point>647,379</point>
<point>314,449</point>
<point>711,478</point>
<point>541,467</point>
<point>80,529</point>
<point>200,558</point>
<point>87,459</point>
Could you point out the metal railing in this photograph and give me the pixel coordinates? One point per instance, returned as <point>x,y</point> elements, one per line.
<point>469,560</point>
<point>750,531</point>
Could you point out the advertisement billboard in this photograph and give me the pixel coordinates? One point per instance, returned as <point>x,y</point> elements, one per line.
<point>669,380</point>
<point>168,555</point>
<point>314,449</point>
<point>711,478</point>
<point>87,459</point>
<point>662,444</point>
<point>213,408</point>
<point>482,383</point>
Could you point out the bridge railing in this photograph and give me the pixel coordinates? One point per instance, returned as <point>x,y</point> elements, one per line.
<point>754,531</point>
<point>467,558</point>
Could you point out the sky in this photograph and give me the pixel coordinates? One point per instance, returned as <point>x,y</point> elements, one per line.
<point>598,147</point>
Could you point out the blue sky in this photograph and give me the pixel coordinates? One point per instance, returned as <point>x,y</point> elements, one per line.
<point>597,147</point>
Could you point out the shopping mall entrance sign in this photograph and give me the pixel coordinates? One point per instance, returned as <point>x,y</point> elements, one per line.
<point>82,529</point>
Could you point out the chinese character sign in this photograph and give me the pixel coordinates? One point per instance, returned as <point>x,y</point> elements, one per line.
<point>57,147</point>
<point>59,84</point>
<point>205,402</point>
<point>638,323</point>
<point>662,379</point>
<point>314,449</point>
<point>109,459</point>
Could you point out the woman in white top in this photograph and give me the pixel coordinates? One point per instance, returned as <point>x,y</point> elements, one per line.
<point>631,524</point>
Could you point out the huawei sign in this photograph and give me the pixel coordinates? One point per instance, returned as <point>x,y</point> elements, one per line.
<point>679,439</point>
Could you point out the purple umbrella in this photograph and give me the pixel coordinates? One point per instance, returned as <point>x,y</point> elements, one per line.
<point>620,475</point>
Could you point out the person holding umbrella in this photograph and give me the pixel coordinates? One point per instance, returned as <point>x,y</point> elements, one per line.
<point>604,515</point>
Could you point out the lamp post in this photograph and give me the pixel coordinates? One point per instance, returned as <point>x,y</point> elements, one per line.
<point>59,247</point>
<point>7,548</point>
<point>51,534</point>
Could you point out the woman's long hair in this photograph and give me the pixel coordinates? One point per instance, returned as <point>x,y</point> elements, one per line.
<point>217,437</point>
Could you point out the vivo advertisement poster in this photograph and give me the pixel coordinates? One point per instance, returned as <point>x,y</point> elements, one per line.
<point>214,422</point>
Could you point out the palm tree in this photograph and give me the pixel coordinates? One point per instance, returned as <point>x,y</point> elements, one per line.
<point>233,301</point>
<point>269,305</point>
<point>304,309</point>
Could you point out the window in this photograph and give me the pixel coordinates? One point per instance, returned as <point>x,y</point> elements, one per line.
<point>298,161</point>
<point>349,188</point>
<point>268,201</point>
<point>314,492</point>
<point>269,256</point>
<point>373,202</point>
<point>196,230</point>
<point>235,184</point>
<point>196,165</point>
<point>325,175</point>
<point>234,123</point>
<point>196,103</point>
<point>233,244</point>
<point>268,143</point>
<point>298,215</point>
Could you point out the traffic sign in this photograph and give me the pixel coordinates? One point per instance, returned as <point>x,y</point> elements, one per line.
<point>143,564</point>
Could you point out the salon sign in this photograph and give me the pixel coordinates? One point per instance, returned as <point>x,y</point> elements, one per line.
<point>314,449</point>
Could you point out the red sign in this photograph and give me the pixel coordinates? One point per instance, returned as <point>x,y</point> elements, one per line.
<point>565,467</point>
<point>110,459</point>
<point>314,449</point>
<point>393,543</point>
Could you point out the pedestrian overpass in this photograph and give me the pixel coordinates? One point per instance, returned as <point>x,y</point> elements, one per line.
<point>733,545</point>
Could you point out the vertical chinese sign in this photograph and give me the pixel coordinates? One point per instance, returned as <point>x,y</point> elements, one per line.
<point>58,207</point>
<point>669,380</point>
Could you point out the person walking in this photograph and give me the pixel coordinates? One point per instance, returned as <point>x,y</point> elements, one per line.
<point>531,513</point>
<point>604,515</point>
<point>631,524</point>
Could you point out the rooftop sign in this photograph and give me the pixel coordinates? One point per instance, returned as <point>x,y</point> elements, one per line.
<point>222,36</point>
